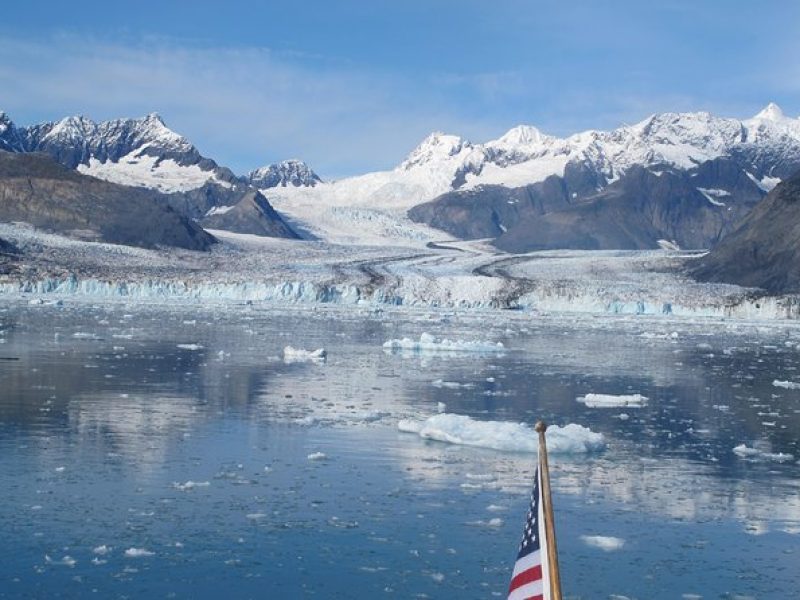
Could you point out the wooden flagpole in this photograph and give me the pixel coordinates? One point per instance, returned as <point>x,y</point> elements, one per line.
<point>549,524</point>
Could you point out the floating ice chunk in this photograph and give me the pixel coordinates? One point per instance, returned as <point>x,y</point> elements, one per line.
<point>256,516</point>
<point>190,346</point>
<point>437,577</point>
<point>317,456</point>
<point>138,553</point>
<point>190,485</point>
<point>66,560</point>
<point>441,407</point>
<point>789,385</point>
<point>292,355</point>
<point>609,401</point>
<point>496,522</point>
<point>453,385</point>
<point>427,343</point>
<point>503,435</point>
<point>101,550</point>
<point>60,469</point>
<point>605,543</point>
<point>754,453</point>
<point>81,335</point>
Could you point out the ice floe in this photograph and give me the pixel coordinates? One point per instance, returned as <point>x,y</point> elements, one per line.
<point>66,560</point>
<point>427,343</point>
<point>190,346</point>
<point>453,385</point>
<point>745,451</point>
<point>503,435</point>
<point>606,543</point>
<point>317,456</point>
<point>293,355</point>
<point>190,485</point>
<point>610,401</point>
<point>138,553</point>
<point>789,385</point>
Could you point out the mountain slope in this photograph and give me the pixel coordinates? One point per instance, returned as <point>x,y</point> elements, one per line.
<point>39,191</point>
<point>252,214</point>
<point>764,251</point>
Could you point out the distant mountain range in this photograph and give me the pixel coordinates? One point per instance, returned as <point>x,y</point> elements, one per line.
<point>145,153</point>
<point>142,152</point>
<point>682,179</point>
<point>673,180</point>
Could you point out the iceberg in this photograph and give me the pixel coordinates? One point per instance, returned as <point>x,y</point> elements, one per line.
<point>428,343</point>
<point>293,355</point>
<point>503,435</point>
<point>609,401</point>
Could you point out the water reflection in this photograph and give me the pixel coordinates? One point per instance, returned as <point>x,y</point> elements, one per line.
<point>146,398</point>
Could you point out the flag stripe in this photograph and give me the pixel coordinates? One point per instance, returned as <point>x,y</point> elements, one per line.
<point>526,562</point>
<point>531,591</point>
<point>533,574</point>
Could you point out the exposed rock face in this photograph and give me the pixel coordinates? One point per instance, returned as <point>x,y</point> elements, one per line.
<point>37,190</point>
<point>252,214</point>
<point>286,173</point>
<point>690,208</point>
<point>764,251</point>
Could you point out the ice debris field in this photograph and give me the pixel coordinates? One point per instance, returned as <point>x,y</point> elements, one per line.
<point>448,274</point>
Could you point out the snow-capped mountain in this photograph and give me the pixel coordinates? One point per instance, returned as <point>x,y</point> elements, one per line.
<point>142,152</point>
<point>473,189</point>
<point>291,172</point>
<point>524,155</point>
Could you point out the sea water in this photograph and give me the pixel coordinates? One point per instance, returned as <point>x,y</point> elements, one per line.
<point>178,453</point>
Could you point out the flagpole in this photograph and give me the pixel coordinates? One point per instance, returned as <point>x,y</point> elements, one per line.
<point>549,523</point>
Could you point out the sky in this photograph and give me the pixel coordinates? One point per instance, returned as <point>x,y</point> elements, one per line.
<point>352,86</point>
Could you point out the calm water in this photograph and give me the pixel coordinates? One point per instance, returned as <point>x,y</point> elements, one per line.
<point>165,454</point>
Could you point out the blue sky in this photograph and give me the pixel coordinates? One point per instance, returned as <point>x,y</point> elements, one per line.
<point>352,86</point>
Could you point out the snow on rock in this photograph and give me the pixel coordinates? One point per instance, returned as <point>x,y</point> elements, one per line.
<point>789,385</point>
<point>610,401</point>
<point>605,543</point>
<point>293,355</point>
<point>428,343</point>
<point>503,435</point>
<point>139,169</point>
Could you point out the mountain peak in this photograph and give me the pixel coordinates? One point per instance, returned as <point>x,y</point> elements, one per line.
<point>291,172</point>
<point>521,135</point>
<point>771,112</point>
<point>437,146</point>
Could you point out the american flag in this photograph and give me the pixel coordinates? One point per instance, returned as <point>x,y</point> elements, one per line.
<point>530,580</point>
